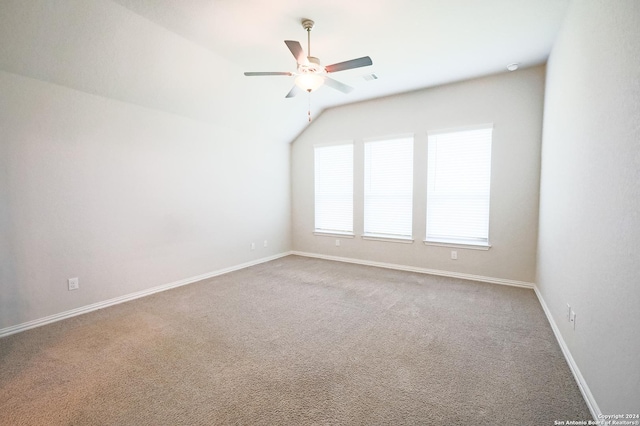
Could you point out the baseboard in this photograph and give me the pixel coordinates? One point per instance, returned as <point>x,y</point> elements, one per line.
<point>471,277</point>
<point>582,384</point>
<point>121,299</point>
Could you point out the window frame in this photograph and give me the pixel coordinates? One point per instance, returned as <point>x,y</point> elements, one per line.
<point>473,243</point>
<point>390,237</point>
<point>327,231</point>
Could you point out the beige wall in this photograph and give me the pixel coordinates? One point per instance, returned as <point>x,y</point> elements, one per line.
<point>125,198</point>
<point>511,101</point>
<point>590,196</point>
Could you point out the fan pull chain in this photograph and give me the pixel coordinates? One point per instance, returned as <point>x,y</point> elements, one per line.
<point>309,111</point>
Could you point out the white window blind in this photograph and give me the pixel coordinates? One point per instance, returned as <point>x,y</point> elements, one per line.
<point>388,183</point>
<point>458,186</point>
<point>334,188</point>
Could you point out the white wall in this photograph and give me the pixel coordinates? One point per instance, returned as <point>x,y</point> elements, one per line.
<point>124,197</point>
<point>511,101</point>
<point>126,159</point>
<point>590,196</point>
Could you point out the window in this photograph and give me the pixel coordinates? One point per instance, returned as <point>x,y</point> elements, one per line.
<point>388,188</point>
<point>334,188</point>
<point>458,186</point>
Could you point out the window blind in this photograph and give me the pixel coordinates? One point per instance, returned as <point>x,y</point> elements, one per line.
<point>388,193</point>
<point>334,188</point>
<point>458,186</point>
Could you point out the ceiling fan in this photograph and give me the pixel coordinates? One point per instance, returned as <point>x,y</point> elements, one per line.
<point>310,74</point>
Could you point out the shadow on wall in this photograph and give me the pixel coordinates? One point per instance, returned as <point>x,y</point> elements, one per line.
<point>13,301</point>
<point>10,297</point>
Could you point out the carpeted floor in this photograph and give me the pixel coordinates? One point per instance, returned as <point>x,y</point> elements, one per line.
<point>297,341</point>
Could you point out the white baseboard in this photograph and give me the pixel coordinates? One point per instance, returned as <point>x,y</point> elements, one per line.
<point>471,277</point>
<point>127,297</point>
<point>582,384</point>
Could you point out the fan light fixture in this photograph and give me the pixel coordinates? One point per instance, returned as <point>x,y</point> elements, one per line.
<point>309,81</point>
<point>310,74</point>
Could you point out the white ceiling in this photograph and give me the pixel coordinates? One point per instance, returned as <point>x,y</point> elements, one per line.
<point>187,56</point>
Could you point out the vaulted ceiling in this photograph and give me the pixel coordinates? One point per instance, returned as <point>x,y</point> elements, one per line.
<point>187,57</point>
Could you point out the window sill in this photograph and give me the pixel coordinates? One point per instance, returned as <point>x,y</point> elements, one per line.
<point>374,237</point>
<point>333,234</point>
<point>484,247</point>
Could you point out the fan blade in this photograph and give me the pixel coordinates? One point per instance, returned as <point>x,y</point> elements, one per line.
<point>294,91</point>
<point>365,61</point>
<point>254,74</point>
<point>335,84</point>
<point>297,51</point>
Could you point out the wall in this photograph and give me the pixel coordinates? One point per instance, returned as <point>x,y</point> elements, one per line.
<point>511,101</point>
<point>126,159</point>
<point>590,196</point>
<point>124,197</point>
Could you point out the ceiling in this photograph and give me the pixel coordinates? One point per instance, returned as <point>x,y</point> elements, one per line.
<point>187,56</point>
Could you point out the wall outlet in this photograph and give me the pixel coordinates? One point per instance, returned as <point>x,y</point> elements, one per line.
<point>337,243</point>
<point>572,319</point>
<point>568,315</point>
<point>74,283</point>
<point>265,243</point>
<point>253,246</point>
<point>454,255</point>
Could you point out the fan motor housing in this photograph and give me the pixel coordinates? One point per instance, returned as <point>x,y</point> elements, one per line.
<point>312,67</point>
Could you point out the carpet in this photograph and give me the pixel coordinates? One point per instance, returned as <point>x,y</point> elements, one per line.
<point>297,341</point>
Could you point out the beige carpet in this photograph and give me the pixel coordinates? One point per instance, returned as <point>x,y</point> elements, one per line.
<point>297,341</point>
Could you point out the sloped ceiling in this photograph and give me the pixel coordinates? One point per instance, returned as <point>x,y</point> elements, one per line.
<point>187,57</point>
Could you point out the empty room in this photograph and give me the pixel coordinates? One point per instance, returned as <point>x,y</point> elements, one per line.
<point>413,212</point>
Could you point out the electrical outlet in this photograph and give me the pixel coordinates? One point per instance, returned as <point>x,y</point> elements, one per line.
<point>572,318</point>
<point>568,316</point>
<point>454,255</point>
<point>74,283</point>
<point>265,243</point>
<point>337,243</point>
<point>253,246</point>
